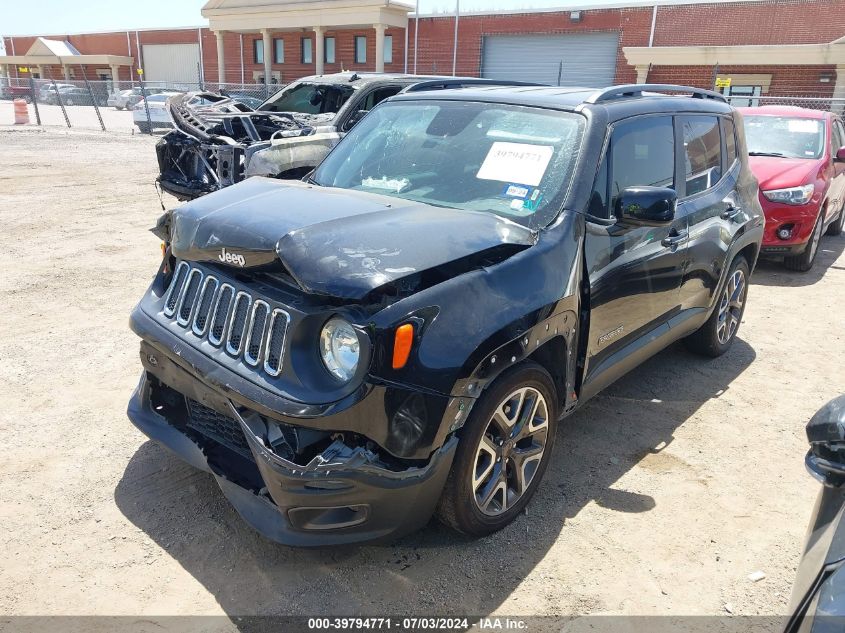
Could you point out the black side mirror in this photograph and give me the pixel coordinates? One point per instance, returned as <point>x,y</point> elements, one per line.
<point>826,433</point>
<point>354,119</point>
<point>646,206</point>
<point>840,155</point>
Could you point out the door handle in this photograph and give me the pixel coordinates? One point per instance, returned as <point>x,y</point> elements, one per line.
<point>731,212</point>
<point>675,239</point>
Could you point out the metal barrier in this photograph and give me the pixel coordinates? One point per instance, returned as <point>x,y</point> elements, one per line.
<point>113,105</point>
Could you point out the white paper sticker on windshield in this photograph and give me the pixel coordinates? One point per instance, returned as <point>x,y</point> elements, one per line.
<point>803,125</point>
<point>516,162</point>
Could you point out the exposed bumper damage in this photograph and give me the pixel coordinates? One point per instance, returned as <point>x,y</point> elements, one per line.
<point>341,494</point>
<point>214,147</point>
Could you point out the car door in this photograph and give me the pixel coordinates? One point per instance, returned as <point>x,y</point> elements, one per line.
<point>634,272</point>
<point>364,102</point>
<point>708,200</point>
<point>837,186</point>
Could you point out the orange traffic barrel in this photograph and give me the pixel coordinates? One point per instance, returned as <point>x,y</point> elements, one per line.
<point>21,112</point>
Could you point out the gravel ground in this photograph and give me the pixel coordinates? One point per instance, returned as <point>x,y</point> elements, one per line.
<point>84,117</point>
<point>665,492</point>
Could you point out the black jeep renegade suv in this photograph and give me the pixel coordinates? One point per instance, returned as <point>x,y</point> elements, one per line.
<point>400,333</point>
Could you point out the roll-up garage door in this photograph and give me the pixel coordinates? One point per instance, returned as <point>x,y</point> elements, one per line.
<point>171,63</point>
<point>576,59</point>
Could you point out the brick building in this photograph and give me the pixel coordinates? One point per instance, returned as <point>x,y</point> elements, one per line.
<point>765,47</point>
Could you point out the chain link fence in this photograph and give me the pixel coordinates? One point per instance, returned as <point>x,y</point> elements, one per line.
<point>120,105</point>
<point>129,106</point>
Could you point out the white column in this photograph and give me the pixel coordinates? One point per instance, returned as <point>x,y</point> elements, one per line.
<point>268,55</point>
<point>839,90</point>
<point>380,28</point>
<point>642,73</point>
<point>66,72</point>
<point>115,74</point>
<point>319,49</point>
<point>221,71</point>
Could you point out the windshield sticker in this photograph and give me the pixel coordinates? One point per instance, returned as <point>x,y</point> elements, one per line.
<point>533,203</point>
<point>520,162</point>
<point>803,125</point>
<point>396,185</point>
<point>516,191</point>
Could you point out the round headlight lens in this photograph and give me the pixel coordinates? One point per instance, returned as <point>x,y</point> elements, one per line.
<point>340,348</point>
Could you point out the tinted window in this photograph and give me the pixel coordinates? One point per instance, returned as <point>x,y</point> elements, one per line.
<point>598,199</point>
<point>377,96</point>
<point>702,152</point>
<point>309,98</point>
<point>642,154</point>
<point>838,138</point>
<point>730,141</point>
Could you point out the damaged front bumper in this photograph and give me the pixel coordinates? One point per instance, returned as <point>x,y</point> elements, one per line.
<point>342,495</point>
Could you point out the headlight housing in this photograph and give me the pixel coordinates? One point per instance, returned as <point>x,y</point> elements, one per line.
<point>340,348</point>
<point>792,195</point>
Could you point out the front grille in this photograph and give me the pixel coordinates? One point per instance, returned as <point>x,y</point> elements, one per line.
<point>252,329</point>
<point>217,427</point>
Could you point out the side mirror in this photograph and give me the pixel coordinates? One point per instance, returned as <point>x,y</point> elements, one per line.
<point>840,155</point>
<point>354,119</point>
<point>826,433</point>
<point>646,206</point>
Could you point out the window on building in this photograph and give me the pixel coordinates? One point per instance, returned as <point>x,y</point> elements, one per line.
<point>642,153</point>
<point>702,152</point>
<point>360,49</point>
<point>307,52</point>
<point>388,49</point>
<point>329,46</point>
<point>258,51</point>
<point>279,51</point>
<point>730,141</point>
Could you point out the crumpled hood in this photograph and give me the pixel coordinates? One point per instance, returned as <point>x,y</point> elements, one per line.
<point>334,242</point>
<point>780,173</point>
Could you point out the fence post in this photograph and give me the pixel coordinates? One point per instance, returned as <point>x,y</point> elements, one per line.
<point>34,99</point>
<point>93,100</point>
<point>146,106</point>
<point>59,99</point>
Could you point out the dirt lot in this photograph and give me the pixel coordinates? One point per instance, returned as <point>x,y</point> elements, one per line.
<point>665,492</point>
<point>117,121</point>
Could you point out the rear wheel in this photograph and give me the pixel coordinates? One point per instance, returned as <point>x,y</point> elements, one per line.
<point>504,450</point>
<point>716,336</point>
<point>68,101</point>
<point>804,262</point>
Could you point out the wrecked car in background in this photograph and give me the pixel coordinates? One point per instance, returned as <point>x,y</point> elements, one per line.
<point>285,137</point>
<point>401,331</point>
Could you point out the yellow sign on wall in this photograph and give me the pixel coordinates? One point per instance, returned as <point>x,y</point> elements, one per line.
<point>723,82</point>
<point>23,69</point>
<point>140,71</point>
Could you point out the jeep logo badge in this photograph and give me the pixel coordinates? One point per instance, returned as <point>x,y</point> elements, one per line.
<point>231,258</point>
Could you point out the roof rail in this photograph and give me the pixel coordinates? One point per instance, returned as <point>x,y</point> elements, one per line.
<point>457,82</point>
<point>637,90</point>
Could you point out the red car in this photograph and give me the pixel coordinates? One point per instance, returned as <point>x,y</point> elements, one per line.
<point>798,157</point>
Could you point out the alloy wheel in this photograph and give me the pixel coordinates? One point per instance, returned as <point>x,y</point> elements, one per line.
<point>510,451</point>
<point>730,307</point>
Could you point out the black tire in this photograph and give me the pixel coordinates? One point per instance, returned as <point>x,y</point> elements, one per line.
<point>836,227</point>
<point>804,262</point>
<point>68,101</point>
<point>459,506</point>
<point>711,339</point>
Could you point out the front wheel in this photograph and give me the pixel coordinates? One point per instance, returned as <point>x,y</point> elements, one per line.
<point>836,227</point>
<point>504,449</point>
<point>804,262</point>
<point>716,336</point>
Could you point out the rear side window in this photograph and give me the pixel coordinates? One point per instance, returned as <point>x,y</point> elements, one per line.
<point>837,137</point>
<point>730,141</point>
<point>642,153</point>
<point>702,152</point>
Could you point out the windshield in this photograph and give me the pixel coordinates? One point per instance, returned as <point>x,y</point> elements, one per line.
<point>790,137</point>
<point>309,98</point>
<point>513,161</point>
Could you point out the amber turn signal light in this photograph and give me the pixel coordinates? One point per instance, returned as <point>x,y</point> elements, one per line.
<point>402,343</point>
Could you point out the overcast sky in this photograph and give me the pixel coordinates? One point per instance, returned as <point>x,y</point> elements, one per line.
<point>68,16</point>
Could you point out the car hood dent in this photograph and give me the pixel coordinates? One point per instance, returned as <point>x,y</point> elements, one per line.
<point>333,242</point>
<point>781,173</point>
